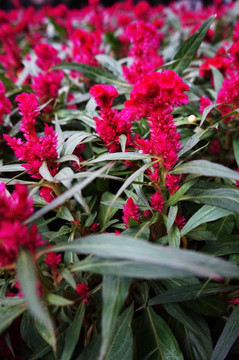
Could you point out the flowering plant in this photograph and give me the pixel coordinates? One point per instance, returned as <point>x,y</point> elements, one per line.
<point>119,182</point>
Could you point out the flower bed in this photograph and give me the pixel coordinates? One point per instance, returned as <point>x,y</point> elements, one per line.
<point>119,194</point>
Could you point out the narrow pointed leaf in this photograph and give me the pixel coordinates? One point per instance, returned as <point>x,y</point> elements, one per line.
<point>228,336</point>
<point>66,195</point>
<point>187,51</point>
<point>126,248</point>
<point>204,215</point>
<point>96,74</point>
<point>190,292</point>
<point>73,333</point>
<point>194,332</point>
<point>223,198</point>
<point>115,291</point>
<point>28,281</point>
<point>121,346</point>
<point>157,339</point>
<point>8,314</point>
<point>206,168</point>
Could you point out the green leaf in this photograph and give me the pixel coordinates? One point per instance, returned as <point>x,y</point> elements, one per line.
<point>190,46</point>
<point>204,215</point>
<point>229,245</point>
<point>174,236</point>
<point>194,334</point>
<point>58,300</point>
<point>127,268</point>
<point>105,214</point>
<point>73,333</point>
<point>11,168</point>
<point>236,150</point>
<point>222,198</point>
<point>76,139</point>
<point>121,346</point>
<point>171,217</point>
<point>130,179</point>
<point>190,292</point>
<point>222,227</point>
<point>206,168</point>
<point>28,281</point>
<point>115,291</point>
<point>110,64</point>
<point>8,314</point>
<point>192,141</point>
<point>217,78</point>
<point>96,74</point>
<point>184,263</point>
<point>228,336</point>
<point>178,194</point>
<point>91,351</point>
<point>119,156</point>
<point>206,111</point>
<point>66,195</point>
<point>156,338</point>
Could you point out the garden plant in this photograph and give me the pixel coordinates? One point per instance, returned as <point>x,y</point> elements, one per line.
<point>119,199</point>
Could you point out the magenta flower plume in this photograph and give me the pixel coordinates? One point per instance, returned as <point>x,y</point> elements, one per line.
<point>145,40</point>
<point>46,56</point>
<point>14,234</point>
<point>5,104</point>
<point>130,211</point>
<point>154,98</point>
<point>112,123</point>
<point>34,150</point>
<point>157,201</point>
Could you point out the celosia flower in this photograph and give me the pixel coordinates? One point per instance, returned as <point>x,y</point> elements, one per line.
<point>112,123</point>
<point>220,61</point>
<point>157,201</point>
<point>154,98</point>
<point>85,46</point>
<point>215,147</point>
<point>34,150</point>
<point>46,56</point>
<point>53,260</point>
<point>104,95</point>
<point>130,211</point>
<point>14,210</point>
<point>145,39</point>
<point>180,221</point>
<point>229,93</point>
<point>172,182</point>
<point>157,93</point>
<point>46,86</point>
<point>5,104</point>
<point>47,194</point>
<point>83,290</point>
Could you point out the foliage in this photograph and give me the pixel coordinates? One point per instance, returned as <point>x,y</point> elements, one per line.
<point>119,198</point>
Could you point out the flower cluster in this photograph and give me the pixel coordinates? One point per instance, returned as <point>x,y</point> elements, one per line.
<point>112,123</point>
<point>145,39</point>
<point>14,210</point>
<point>130,211</point>
<point>5,104</point>
<point>35,149</point>
<point>46,85</point>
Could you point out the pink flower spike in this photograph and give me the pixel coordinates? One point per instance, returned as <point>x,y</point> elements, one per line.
<point>83,290</point>
<point>53,260</point>
<point>157,201</point>
<point>46,56</point>
<point>104,95</point>
<point>130,211</point>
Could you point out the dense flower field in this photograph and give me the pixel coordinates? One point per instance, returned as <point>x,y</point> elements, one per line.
<point>119,199</point>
